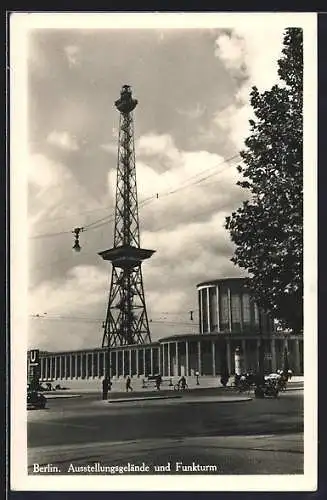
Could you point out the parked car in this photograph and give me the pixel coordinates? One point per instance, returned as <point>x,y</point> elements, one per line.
<point>35,400</point>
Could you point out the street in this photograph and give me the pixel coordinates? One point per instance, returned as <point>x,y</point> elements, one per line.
<point>246,437</point>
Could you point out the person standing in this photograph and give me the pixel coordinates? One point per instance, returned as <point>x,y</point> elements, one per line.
<point>105,388</point>
<point>128,384</point>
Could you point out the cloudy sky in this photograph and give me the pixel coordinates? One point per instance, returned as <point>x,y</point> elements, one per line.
<point>193,91</point>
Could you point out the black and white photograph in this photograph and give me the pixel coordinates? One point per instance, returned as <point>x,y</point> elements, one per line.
<point>163,251</point>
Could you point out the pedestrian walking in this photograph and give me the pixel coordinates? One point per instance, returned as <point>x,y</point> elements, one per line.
<point>158,382</point>
<point>128,384</point>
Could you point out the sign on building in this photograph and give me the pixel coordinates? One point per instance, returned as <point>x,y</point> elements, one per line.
<point>34,357</point>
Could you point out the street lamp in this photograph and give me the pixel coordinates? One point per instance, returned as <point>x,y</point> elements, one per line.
<point>76,232</point>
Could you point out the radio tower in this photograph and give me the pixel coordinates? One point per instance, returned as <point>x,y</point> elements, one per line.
<point>126,321</point>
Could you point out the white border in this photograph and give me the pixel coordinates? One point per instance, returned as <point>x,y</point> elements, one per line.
<point>20,24</point>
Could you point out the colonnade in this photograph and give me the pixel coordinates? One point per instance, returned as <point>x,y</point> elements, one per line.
<point>174,356</point>
<point>94,363</point>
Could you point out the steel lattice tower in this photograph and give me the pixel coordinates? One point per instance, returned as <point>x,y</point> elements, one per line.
<point>126,320</point>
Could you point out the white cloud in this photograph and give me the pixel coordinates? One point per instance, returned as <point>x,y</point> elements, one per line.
<point>157,145</point>
<point>194,113</point>
<point>63,140</point>
<point>81,288</point>
<point>78,293</point>
<point>57,195</point>
<point>232,51</point>
<point>110,147</point>
<point>253,54</point>
<point>191,172</point>
<point>72,53</point>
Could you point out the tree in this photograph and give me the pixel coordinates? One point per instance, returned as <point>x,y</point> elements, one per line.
<point>267,229</point>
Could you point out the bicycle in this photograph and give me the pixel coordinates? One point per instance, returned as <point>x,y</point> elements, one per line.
<point>178,387</point>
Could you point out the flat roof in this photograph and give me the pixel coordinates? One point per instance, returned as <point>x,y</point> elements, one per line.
<point>221,280</point>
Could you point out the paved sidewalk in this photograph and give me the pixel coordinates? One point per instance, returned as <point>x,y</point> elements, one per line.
<point>181,398</point>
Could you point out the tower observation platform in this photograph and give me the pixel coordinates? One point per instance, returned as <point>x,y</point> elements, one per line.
<point>126,320</point>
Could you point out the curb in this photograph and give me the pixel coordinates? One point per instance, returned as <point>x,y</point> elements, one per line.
<point>221,401</point>
<point>62,396</point>
<point>186,401</point>
<point>127,400</point>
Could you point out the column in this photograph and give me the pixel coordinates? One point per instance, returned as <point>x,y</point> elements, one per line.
<point>111,354</point>
<point>144,362</point>
<point>245,362</point>
<point>201,310</point>
<point>208,310</point>
<point>176,354</point>
<point>98,363</point>
<point>76,363</point>
<point>123,357</point>
<point>151,360</point>
<point>163,359</point>
<point>229,309</point>
<point>199,358</point>
<point>186,359</point>
<point>159,358</point>
<point>65,366</point>
<point>117,370</point>
<point>137,362</point>
<point>229,356</point>
<point>237,361</point>
<point>218,312</point>
<point>130,362</point>
<point>55,367</point>
<point>71,365</point>
<point>273,355</point>
<point>168,344</point>
<point>213,351</point>
<point>86,365</point>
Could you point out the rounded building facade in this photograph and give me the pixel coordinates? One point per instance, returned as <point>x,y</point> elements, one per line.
<point>225,306</point>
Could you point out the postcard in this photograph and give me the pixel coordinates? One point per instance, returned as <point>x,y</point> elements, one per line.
<point>163,251</point>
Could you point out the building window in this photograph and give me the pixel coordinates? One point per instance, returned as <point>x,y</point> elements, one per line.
<point>246,308</point>
<point>204,310</point>
<point>213,309</point>
<point>224,311</point>
<point>236,312</point>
